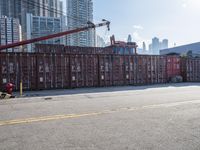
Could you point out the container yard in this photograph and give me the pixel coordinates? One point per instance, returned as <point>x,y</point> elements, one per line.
<point>58,67</point>
<point>72,80</point>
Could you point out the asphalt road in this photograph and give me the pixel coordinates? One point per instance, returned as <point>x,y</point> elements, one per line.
<point>164,117</point>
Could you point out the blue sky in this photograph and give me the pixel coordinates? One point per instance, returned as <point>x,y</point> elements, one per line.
<point>176,20</point>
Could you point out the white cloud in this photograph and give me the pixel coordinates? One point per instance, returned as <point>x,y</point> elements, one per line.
<point>139,27</point>
<point>136,36</point>
<point>139,39</point>
<point>184,5</point>
<point>187,3</point>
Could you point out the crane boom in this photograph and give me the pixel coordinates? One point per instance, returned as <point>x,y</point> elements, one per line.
<point>25,42</point>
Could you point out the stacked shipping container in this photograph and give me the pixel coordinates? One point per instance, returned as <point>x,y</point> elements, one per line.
<point>90,67</point>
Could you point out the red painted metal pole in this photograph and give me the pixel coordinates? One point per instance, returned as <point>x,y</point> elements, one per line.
<point>25,42</point>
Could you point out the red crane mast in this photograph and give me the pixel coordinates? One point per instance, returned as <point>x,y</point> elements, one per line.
<point>25,42</point>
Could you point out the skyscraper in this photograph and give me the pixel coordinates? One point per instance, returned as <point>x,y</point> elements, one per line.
<point>155,46</point>
<point>38,26</point>
<point>19,8</point>
<point>165,44</point>
<point>10,32</point>
<point>129,38</point>
<point>79,12</point>
<point>150,49</point>
<point>144,47</point>
<point>100,41</point>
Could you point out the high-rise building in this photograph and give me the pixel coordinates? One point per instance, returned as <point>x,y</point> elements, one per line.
<point>100,41</point>
<point>79,12</point>
<point>150,48</point>
<point>10,32</point>
<point>144,47</point>
<point>40,26</point>
<point>155,46</point>
<point>129,40</point>
<point>165,44</point>
<point>19,8</point>
<point>55,6</point>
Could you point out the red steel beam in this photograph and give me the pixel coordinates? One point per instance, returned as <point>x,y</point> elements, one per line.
<point>25,42</point>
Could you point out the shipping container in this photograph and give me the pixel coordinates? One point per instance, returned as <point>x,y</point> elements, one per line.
<point>84,70</point>
<point>150,69</point>
<point>105,70</point>
<point>191,69</point>
<point>92,67</point>
<point>27,68</point>
<point>61,71</point>
<point>49,48</point>
<point>76,71</point>
<point>173,66</point>
<point>128,68</point>
<point>183,69</point>
<point>45,71</point>
<point>91,70</point>
<point>9,68</point>
<point>140,69</point>
<point>87,50</point>
<point>118,70</point>
<point>162,76</point>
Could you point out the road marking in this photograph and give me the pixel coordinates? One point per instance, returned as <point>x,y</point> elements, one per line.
<point>47,118</point>
<point>70,116</point>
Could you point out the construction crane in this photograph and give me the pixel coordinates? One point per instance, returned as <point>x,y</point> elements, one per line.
<point>90,25</point>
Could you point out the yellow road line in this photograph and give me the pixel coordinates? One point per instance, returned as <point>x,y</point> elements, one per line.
<point>68,116</point>
<point>46,118</point>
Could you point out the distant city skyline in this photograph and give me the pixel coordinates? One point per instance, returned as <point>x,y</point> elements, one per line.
<point>156,45</point>
<point>167,19</point>
<point>153,18</point>
<point>175,20</point>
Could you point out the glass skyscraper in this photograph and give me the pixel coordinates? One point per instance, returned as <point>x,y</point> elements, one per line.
<point>10,32</point>
<point>19,8</point>
<point>41,26</point>
<point>79,12</point>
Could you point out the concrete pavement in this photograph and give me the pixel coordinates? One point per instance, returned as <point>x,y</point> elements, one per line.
<point>149,117</point>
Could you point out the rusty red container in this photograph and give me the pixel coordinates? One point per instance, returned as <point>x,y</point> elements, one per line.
<point>128,68</point>
<point>190,69</point>
<point>76,71</point>
<point>84,70</point>
<point>27,67</point>
<point>45,71</point>
<point>140,69</point>
<point>118,70</point>
<point>9,68</point>
<point>173,66</point>
<point>16,68</point>
<point>61,71</point>
<point>49,48</point>
<point>105,70</point>
<point>74,67</point>
<point>91,70</point>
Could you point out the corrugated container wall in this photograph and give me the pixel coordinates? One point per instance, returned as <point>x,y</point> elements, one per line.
<point>191,69</point>
<point>56,67</point>
<point>173,66</point>
<point>16,67</point>
<point>105,70</point>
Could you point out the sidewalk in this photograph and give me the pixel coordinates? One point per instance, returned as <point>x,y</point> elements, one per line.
<point>59,92</point>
